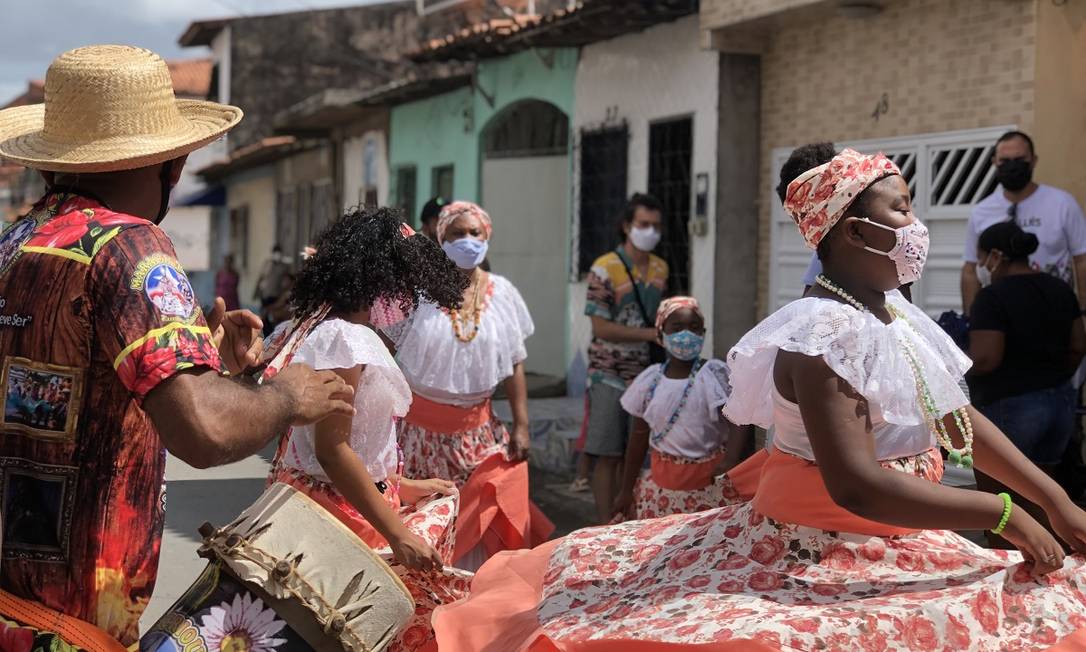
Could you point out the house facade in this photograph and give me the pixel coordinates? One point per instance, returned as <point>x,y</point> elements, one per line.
<point>932,83</point>
<point>640,127</point>
<point>565,116</point>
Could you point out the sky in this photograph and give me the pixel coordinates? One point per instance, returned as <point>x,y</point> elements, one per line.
<point>33,32</point>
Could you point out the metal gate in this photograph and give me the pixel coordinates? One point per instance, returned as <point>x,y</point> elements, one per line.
<point>947,174</point>
<point>603,163</point>
<point>671,149</point>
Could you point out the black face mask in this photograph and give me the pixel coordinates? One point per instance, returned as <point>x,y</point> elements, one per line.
<point>166,187</point>
<point>1014,174</point>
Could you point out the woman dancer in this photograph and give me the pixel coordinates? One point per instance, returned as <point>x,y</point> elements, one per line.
<point>352,466</point>
<point>676,410</point>
<point>454,359</point>
<point>843,546</point>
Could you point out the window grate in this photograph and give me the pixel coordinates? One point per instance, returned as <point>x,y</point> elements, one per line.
<point>405,192</point>
<point>671,148</point>
<point>961,176</point>
<point>602,192</point>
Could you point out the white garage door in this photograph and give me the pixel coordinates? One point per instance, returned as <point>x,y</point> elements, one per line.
<point>947,173</point>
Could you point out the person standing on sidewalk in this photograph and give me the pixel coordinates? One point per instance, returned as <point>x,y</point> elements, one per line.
<point>1051,214</point>
<point>625,288</point>
<point>272,286</point>
<point>428,217</point>
<point>226,283</point>
<point>97,307</point>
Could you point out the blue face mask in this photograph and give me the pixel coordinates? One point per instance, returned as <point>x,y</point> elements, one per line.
<point>684,345</point>
<point>467,253</point>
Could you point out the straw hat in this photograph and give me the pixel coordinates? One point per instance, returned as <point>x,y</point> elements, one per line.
<point>108,108</point>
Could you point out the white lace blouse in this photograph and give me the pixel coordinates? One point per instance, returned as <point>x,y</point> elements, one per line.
<point>868,354</point>
<point>443,369</point>
<point>697,432</point>
<point>382,394</point>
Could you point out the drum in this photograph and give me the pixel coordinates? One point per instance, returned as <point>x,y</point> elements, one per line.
<point>286,575</point>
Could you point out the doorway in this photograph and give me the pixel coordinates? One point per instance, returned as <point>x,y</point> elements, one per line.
<point>525,188</point>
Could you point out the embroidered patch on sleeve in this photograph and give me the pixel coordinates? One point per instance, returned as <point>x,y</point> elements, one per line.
<point>166,286</point>
<point>40,400</point>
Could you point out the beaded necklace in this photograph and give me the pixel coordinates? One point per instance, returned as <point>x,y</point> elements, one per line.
<point>960,457</point>
<point>476,316</point>
<point>657,437</point>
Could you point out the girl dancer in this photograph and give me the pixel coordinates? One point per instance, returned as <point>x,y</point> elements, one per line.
<point>844,545</point>
<point>676,409</point>
<point>353,466</point>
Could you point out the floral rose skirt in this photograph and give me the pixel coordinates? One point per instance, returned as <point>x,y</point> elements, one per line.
<point>652,501</point>
<point>450,456</point>
<point>732,574</point>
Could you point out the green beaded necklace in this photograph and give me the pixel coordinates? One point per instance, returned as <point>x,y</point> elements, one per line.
<point>959,457</point>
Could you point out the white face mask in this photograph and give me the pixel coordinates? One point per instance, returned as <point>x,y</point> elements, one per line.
<point>984,275</point>
<point>645,239</point>
<point>910,250</point>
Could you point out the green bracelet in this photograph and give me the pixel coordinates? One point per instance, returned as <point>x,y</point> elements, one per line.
<point>1007,506</point>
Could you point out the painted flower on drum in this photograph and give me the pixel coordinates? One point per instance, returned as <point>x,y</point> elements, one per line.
<point>242,626</point>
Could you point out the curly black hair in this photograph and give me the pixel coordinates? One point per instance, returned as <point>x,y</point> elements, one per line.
<point>363,255</point>
<point>803,158</point>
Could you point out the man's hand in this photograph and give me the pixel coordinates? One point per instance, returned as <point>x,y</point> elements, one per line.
<point>316,394</point>
<point>237,336</point>
<point>519,443</point>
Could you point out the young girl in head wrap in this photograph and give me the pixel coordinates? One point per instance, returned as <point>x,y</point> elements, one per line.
<point>845,545</point>
<point>677,422</point>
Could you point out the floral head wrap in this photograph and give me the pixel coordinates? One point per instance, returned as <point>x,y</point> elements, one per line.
<point>670,306</point>
<point>451,211</point>
<point>818,198</point>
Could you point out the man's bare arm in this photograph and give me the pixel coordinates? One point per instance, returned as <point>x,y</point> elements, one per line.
<point>208,420</point>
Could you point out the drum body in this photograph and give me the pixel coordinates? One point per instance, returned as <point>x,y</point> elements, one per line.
<point>286,575</point>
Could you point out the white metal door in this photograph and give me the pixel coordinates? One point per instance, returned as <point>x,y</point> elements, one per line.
<point>529,246</point>
<point>947,174</point>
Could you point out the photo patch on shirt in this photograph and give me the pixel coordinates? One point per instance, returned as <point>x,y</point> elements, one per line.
<point>40,400</point>
<point>164,283</point>
<point>12,241</point>
<point>37,502</point>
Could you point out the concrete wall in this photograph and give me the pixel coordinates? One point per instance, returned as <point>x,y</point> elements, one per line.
<point>735,302</point>
<point>653,75</point>
<point>1060,95</point>
<point>433,132</point>
<point>255,189</point>
<point>722,13</point>
<point>942,65</point>
<point>279,60</point>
